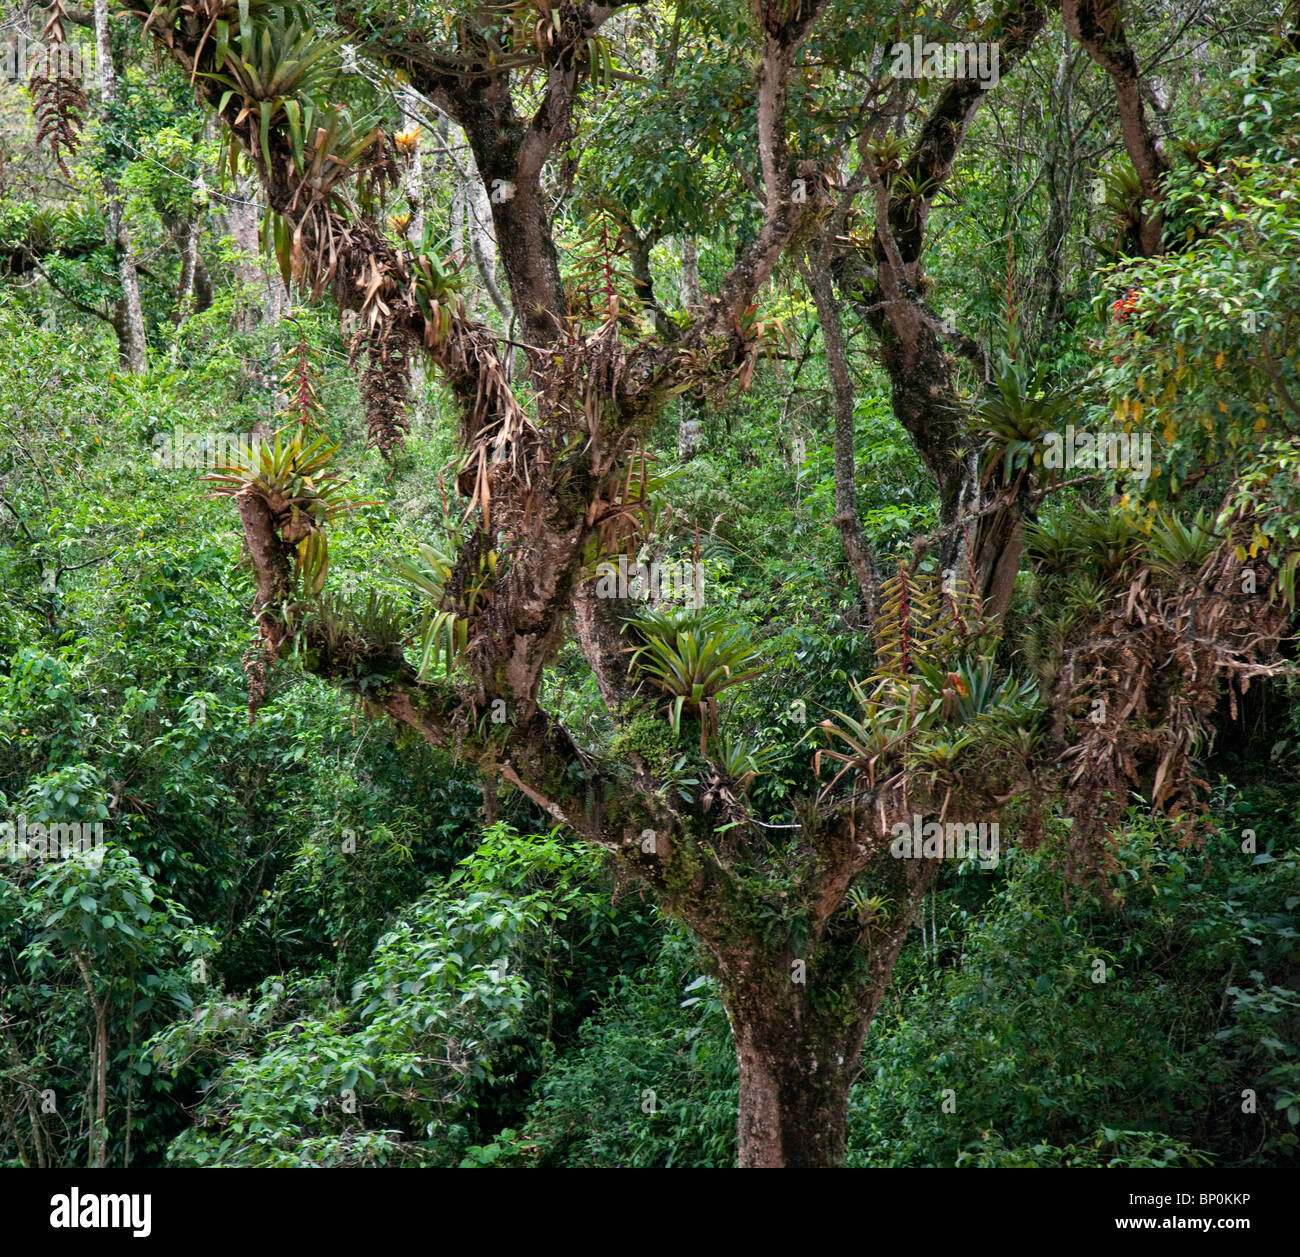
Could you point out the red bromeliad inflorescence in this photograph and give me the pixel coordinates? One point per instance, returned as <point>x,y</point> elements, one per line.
<point>1124,306</point>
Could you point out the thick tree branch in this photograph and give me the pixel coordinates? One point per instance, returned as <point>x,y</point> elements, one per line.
<point>1098,25</point>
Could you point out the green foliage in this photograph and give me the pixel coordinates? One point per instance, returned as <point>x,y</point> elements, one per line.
<point>1268,490</point>
<point>98,949</point>
<point>935,719</point>
<point>1050,1067</point>
<point>279,67</point>
<point>444,630</point>
<point>1015,417</point>
<point>652,1081</point>
<point>328,958</point>
<point>1206,359</point>
<point>692,656</point>
<point>296,482</point>
<point>441,1014</point>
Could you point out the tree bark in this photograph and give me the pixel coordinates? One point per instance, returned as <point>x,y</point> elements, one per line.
<point>185,233</point>
<point>690,285</point>
<point>99,1076</point>
<point>1099,27</point>
<point>794,1088</point>
<point>914,342</point>
<point>862,562</point>
<point>799,1023</point>
<point>690,421</point>
<point>19,1066</point>
<point>1060,170</point>
<point>129,321</point>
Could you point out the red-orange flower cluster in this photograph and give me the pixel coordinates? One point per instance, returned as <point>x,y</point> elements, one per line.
<point>1124,305</point>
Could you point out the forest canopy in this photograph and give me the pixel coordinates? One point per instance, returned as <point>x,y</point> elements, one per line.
<point>649,584</point>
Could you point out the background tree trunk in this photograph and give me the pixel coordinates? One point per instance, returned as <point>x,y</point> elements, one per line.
<point>129,318</point>
<point>862,562</point>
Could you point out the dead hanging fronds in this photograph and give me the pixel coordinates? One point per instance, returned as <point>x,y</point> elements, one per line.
<point>501,444</point>
<point>58,95</point>
<point>715,365</point>
<point>386,388</point>
<point>256,658</point>
<point>315,247</point>
<point>320,247</point>
<point>497,452</point>
<point>1140,691</point>
<point>513,466</point>
<point>582,377</point>
<point>623,511</point>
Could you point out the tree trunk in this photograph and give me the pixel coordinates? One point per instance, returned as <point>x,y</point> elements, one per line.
<point>130,320</point>
<point>690,426</point>
<point>470,217</point>
<point>1060,171</point>
<point>253,272</point>
<point>256,278</point>
<point>99,1076</point>
<point>1099,27</point>
<point>20,1071</point>
<point>185,233</point>
<point>690,286</point>
<point>799,1018</point>
<point>797,1026</point>
<point>794,1093</point>
<point>413,177</point>
<point>862,561</point>
<point>99,1131</point>
<point>204,293</point>
<point>413,191</point>
<point>690,422</point>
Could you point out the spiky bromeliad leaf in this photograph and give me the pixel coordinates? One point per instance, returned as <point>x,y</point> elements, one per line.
<point>929,720</point>
<point>312,563</point>
<point>892,715</point>
<point>444,630</point>
<point>1182,549</point>
<point>293,475</point>
<point>1014,419</point>
<point>280,68</point>
<point>294,479</point>
<point>870,909</point>
<point>442,634</point>
<point>741,761</point>
<point>691,658</point>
